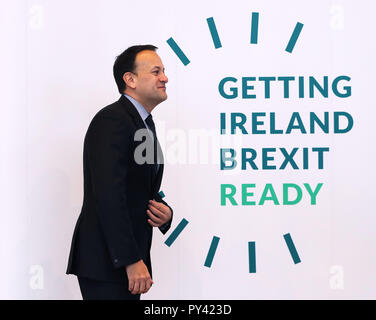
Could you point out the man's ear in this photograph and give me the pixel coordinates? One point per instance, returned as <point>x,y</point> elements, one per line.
<point>130,80</point>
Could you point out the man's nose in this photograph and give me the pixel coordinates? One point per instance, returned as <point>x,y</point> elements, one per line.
<point>163,78</point>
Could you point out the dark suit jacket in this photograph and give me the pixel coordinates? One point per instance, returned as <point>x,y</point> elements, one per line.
<point>112,230</point>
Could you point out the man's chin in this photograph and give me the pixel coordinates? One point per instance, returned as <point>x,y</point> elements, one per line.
<point>159,100</point>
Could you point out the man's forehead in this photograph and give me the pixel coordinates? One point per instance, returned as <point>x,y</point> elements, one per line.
<point>148,58</point>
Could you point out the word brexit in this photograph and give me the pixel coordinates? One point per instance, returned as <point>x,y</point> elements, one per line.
<point>292,194</point>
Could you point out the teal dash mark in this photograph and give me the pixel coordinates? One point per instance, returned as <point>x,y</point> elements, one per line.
<point>183,58</point>
<point>291,246</point>
<point>214,33</point>
<point>170,240</point>
<point>252,256</point>
<point>254,29</point>
<point>211,253</point>
<point>161,193</point>
<point>294,37</point>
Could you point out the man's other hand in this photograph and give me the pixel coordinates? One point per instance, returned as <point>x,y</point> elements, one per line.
<point>158,213</point>
<point>139,278</point>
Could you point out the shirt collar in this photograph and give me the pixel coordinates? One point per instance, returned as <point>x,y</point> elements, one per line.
<point>141,110</point>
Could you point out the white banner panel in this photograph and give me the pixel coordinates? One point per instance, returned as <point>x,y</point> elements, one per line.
<point>267,134</point>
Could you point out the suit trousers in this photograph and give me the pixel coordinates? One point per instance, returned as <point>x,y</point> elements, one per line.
<point>92,289</point>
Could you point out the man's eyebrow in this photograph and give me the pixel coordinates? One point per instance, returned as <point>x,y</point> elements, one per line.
<point>157,67</point>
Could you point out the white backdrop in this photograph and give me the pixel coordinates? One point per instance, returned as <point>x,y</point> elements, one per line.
<point>56,63</point>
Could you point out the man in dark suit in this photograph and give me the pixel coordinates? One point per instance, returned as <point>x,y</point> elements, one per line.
<point>110,252</point>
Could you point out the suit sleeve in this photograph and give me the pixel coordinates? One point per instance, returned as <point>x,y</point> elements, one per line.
<point>109,147</point>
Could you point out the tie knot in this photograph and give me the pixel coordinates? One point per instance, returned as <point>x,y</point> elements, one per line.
<point>149,121</point>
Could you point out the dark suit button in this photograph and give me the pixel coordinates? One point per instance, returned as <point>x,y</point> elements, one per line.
<point>116,260</point>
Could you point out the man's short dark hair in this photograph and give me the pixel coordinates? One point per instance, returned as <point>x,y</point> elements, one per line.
<point>126,63</point>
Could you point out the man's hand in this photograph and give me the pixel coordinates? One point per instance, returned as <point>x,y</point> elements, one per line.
<point>139,278</point>
<point>158,213</point>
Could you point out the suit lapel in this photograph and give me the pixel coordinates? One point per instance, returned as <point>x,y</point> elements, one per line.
<point>132,111</point>
<point>155,179</point>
